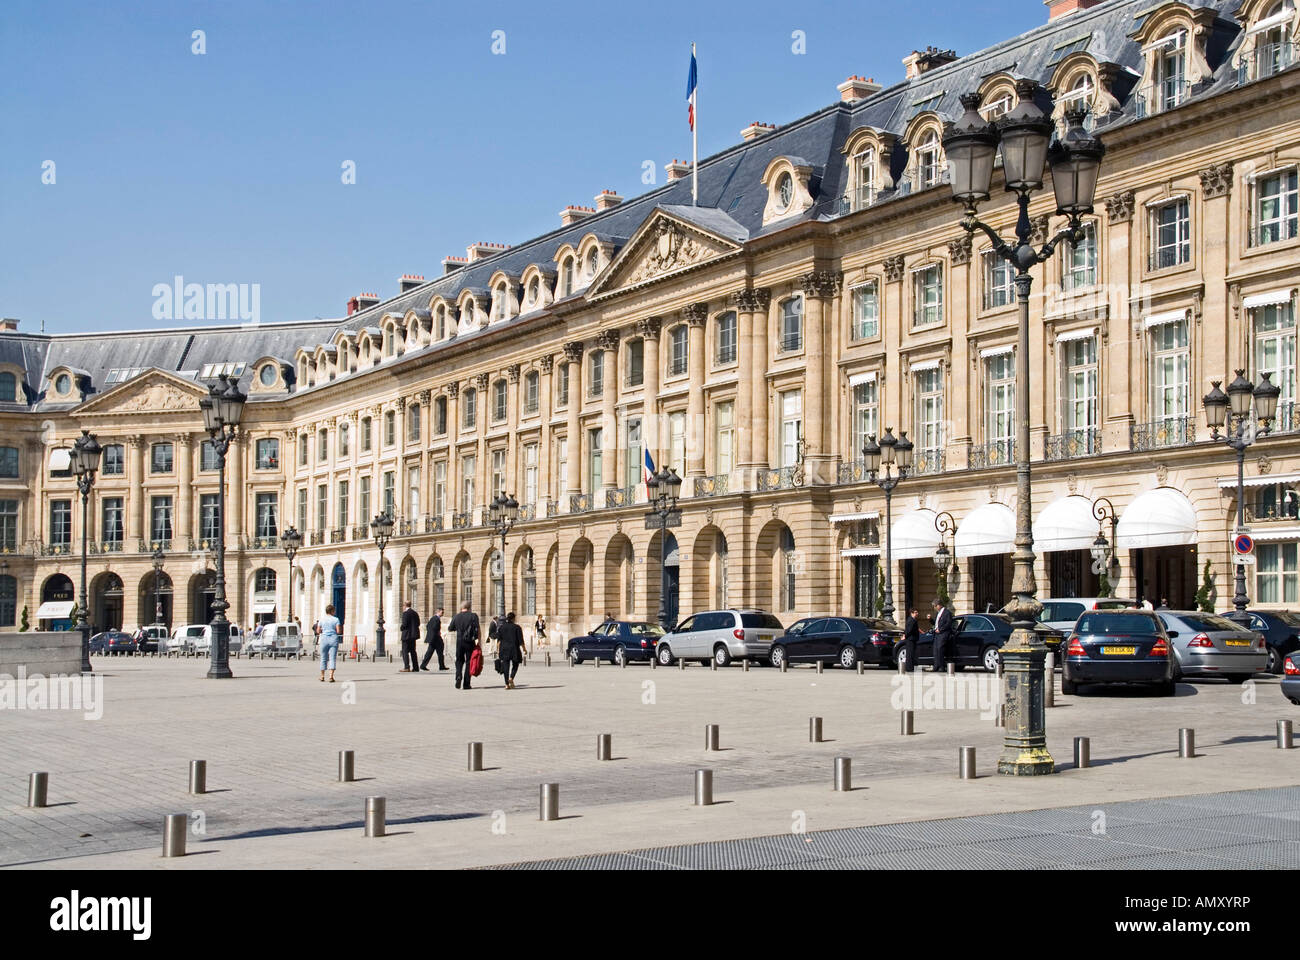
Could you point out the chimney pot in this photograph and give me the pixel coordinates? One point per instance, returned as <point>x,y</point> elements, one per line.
<point>676,170</point>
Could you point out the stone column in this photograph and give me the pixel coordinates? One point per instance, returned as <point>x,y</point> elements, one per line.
<point>743,301</point>
<point>648,330</point>
<point>399,467</point>
<point>697,315</point>
<point>235,492</point>
<point>762,303</point>
<point>425,399</point>
<point>609,454</point>
<point>482,414</point>
<point>135,475</point>
<point>573,357</point>
<point>819,288</point>
<point>453,454</point>
<point>512,427</point>
<point>184,530</point>
<point>545,384</point>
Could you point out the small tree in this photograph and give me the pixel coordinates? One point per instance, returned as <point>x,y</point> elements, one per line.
<point>25,623</point>
<point>1205,595</point>
<point>942,592</point>
<point>880,590</point>
<point>1103,586</point>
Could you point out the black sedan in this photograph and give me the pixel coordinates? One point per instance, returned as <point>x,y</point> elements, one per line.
<point>1291,677</point>
<point>113,642</point>
<point>978,639</point>
<point>1281,630</point>
<point>842,640</point>
<point>1118,646</point>
<point>617,641</point>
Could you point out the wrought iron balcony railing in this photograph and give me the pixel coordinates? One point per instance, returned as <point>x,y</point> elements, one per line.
<point>339,535</point>
<point>317,538</point>
<point>361,531</point>
<point>106,546</point>
<point>552,508</point>
<point>995,453</point>
<point>1268,59</point>
<point>264,543</point>
<point>1271,514</point>
<point>620,497</point>
<point>715,486</point>
<point>149,546</point>
<point>1274,231</point>
<point>1085,442</point>
<point>579,502</point>
<point>780,478</point>
<point>856,200</point>
<point>1171,256</point>
<point>1170,432</point>
<point>527,511</point>
<point>928,461</point>
<point>1159,97</point>
<point>433,524</point>
<point>408,528</point>
<point>55,549</point>
<point>853,471</point>
<point>463,520</point>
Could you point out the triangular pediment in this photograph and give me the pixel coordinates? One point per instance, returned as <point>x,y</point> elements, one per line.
<point>152,392</point>
<point>670,241</point>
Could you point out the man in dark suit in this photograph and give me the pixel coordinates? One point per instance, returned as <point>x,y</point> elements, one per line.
<point>911,633</point>
<point>410,637</point>
<point>466,626</point>
<point>433,637</point>
<point>942,636</point>
<point>510,648</point>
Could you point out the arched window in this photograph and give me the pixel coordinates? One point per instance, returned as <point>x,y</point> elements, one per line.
<point>466,582</point>
<point>499,302</point>
<point>530,584</point>
<point>439,588</point>
<point>593,262</point>
<point>789,567</point>
<point>929,161</point>
<point>497,570</point>
<point>567,275</point>
<point>440,323</point>
<point>534,292</point>
<point>345,438</point>
<point>265,580</point>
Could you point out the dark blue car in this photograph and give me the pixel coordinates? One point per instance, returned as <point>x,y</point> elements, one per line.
<point>1291,677</point>
<point>1118,646</point>
<point>1281,630</point>
<point>617,641</point>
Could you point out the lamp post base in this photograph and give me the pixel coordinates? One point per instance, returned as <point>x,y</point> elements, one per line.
<point>1024,744</point>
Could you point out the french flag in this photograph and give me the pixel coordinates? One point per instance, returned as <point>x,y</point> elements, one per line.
<point>690,91</point>
<point>649,469</point>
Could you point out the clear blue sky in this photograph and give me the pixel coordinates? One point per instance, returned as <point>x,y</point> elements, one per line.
<point>225,167</point>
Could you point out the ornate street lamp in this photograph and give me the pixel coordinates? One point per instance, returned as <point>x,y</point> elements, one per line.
<point>503,514</point>
<point>663,489</point>
<point>86,452</point>
<point>222,408</point>
<point>894,452</point>
<point>1105,558</point>
<point>290,542</point>
<point>1234,409</point>
<point>159,558</point>
<point>943,558</point>
<point>1024,135</point>
<point>382,529</point>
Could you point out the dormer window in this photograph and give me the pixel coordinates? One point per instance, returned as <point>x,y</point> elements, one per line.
<point>864,179</point>
<point>268,375</point>
<point>500,311</point>
<point>534,292</point>
<point>567,272</point>
<point>998,105</point>
<point>63,385</point>
<point>593,262</point>
<point>1168,72</point>
<point>1274,46</point>
<point>8,388</point>
<point>929,165</point>
<point>784,192</point>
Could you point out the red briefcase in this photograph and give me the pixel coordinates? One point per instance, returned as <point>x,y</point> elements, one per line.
<point>476,662</point>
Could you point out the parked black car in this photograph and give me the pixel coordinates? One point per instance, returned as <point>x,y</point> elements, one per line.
<point>1118,646</point>
<point>978,639</point>
<point>842,640</point>
<point>617,640</point>
<point>113,642</point>
<point>1281,630</point>
<point>1291,677</point>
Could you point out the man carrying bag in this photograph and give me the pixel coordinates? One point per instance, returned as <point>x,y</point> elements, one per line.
<point>466,626</point>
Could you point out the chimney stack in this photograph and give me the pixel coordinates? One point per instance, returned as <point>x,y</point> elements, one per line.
<point>409,281</point>
<point>607,199</point>
<point>361,302</point>
<point>452,263</point>
<point>676,170</point>
<point>483,250</point>
<point>8,325</point>
<point>922,61</point>
<point>856,88</point>
<point>756,130</point>
<point>1061,8</point>
<point>572,214</point>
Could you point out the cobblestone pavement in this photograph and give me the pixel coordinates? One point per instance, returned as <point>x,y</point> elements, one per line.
<point>272,734</point>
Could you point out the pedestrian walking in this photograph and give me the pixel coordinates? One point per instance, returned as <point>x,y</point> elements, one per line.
<point>493,627</point>
<point>328,627</point>
<point>433,639</point>
<point>510,648</point>
<point>466,626</point>
<point>942,635</point>
<point>539,631</point>
<point>410,637</point>
<point>911,633</point>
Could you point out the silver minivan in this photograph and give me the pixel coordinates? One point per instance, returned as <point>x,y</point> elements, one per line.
<point>721,635</point>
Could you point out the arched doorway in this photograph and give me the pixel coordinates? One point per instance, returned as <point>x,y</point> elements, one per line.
<point>672,580</point>
<point>155,602</point>
<point>265,584</point>
<point>203,592</point>
<point>620,577</point>
<point>106,602</point>
<point>58,598</point>
<point>709,584</point>
<point>339,591</point>
<point>776,583</point>
<point>580,570</point>
<point>526,583</point>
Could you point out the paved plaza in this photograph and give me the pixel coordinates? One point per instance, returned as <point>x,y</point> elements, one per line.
<point>271,738</point>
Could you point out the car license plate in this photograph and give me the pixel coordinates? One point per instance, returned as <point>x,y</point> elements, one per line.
<point>1237,643</point>
<point>1118,651</point>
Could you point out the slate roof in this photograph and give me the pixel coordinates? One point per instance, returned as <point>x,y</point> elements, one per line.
<point>731,195</point>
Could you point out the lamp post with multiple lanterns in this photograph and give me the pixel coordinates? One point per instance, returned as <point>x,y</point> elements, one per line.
<point>1233,409</point>
<point>894,452</point>
<point>382,529</point>
<point>503,514</point>
<point>222,409</point>
<point>290,542</point>
<point>1105,561</point>
<point>86,452</point>
<point>943,557</point>
<point>663,488</point>
<point>1024,138</point>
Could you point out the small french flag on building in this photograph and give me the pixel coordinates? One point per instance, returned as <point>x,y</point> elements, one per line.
<point>690,91</point>
<point>649,468</point>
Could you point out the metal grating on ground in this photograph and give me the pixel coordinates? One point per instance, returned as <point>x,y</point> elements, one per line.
<point>1237,830</point>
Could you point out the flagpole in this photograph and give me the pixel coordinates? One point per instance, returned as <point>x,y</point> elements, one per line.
<point>695,144</point>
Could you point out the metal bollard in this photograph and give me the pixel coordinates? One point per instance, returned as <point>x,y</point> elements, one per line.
<point>843,774</point>
<point>570,661</point>
<point>784,664</point>
<point>744,665</point>
<point>902,667</point>
<point>711,737</point>
<point>604,746</point>
<point>548,658</point>
<point>966,763</point>
<point>703,788</point>
<point>347,767</point>
<point>37,788</point>
<point>174,828</point>
<point>1082,752</point>
<point>860,670</point>
<point>654,661</point>
<point>623,663</point>
<point>596,661</point>
<point>1186,742</point>
<point>952,669</point>
<point>1284,739</point>
<point>1000,716</point>
<point>1049,681</point>
<point>681,664</point>
<point>713,664</point>
<point>475,757</point>
<point>548,801</point>
<point>814,729</point>
<point>905,723</point>
<point>198,776</point>
<point>1000,668</point>
<point>820,666</point>
<point>376,816</point>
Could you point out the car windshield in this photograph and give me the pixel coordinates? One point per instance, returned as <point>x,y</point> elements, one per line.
<point>645,629</point>
<point>1289,618</point>
<point>760,620</point>
<point>1116,624</point>
<point>1207,622</point>
<point>1111,605</point>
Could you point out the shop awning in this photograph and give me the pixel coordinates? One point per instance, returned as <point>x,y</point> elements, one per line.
<point>990,529</point>
<point>851,517</point>
<point>860,552</point>
<point>264,606</point>
<point>1065,524</point>
<point>914,537</point>
<point>1259,481</point>
<point>1285,532</point>
<point>55,610</point>
<point>1163,517</point>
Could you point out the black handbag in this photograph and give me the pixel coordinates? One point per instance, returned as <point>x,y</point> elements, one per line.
<point>501,667</point>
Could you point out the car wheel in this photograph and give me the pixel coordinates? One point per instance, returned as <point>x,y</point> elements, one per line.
<point>990,658</point>
<point>777,656</point>
<point>722,655</point>
<point>1274,660</point>
<point>1238,678</point>
<point>620,654</point>
<point>573,655</point>
<point>1068,687</point>
<point>900,658</point>
<point>1295,700</point>
<point>848,657</point>
<point>665,655</point>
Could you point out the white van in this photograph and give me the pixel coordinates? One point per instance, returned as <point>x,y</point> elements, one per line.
<point>276,639</point>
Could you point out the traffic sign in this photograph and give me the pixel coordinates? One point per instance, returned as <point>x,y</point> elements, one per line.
<point>1243,543</point>
<point>1246,558</point>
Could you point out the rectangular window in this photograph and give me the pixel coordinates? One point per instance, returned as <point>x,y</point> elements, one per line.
<point>468,476</point>
<point>1079,261</point>
<point>1000,400</point>
<point>929,413</point>
<point>322,506</point>
<point>562,385</point>
<point>345,438</point>
<point>412,423</point>
<point>634,459</point>
<point>1275,354</point>
<point>114,460</point>
<point>1278,577</point>
<point>531,452</point>
<point>727,337</point>
<point>208,457</point>
<point>160,460</point>
<point>366,438</point>
<point>866,415</point>
<point>635,362</point>
<point>161,514</point>
<point>390,427</point>
<point>302,452</point>
<point>440,417</point>
<point>412,491</point>
<point>1170,86</point>
<point>792,325</point>
<point>469,409</point>
<point>791,426</point>
<point>999,281</point>
<point>344,504</point>
<point>1079,396</point>
<point>9,525</point>
<point>499,401</point>
<point>61,523</point>
<point>363,514</point>
<point>927,286</point>
<point>864,194</point>
<point>1169,367</point>
<point>268,515</point>
<point>322,445</point>
<point>596,374</point>
<point>561,465</point>
<point>677,442</point>
<point>390,493</point>
<point>1171,235</point>
<point>112,520</point>
<point>440,488</point>
<point>531,391</point>
<point>724,438</point>
<point>498,480</point>
<point>208,529</point>
<point>9,462</point>
<point>268,453</point>
<point>866,311</point>
<point>595,463</point>
<point>1275,207</point>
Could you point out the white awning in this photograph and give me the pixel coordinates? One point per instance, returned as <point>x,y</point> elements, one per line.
<point>1066,336</point>
<point>922,365</point>
<point>850,517</point>
<point>913,536</point>
<point>860,552</point>
<point>986,530</point>
<point>1275,533</point>
<point>1163,517</point>
<point>264,606</point>
<point>61,459</point>
<point>1267,299</point>
<point>998,351</point>
<point>1160,319</point>
<point>857,378</point>
<point>1268,23</point>
<point>1260,481</point>
<point>55,610</point>
<point>1065,524</point>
